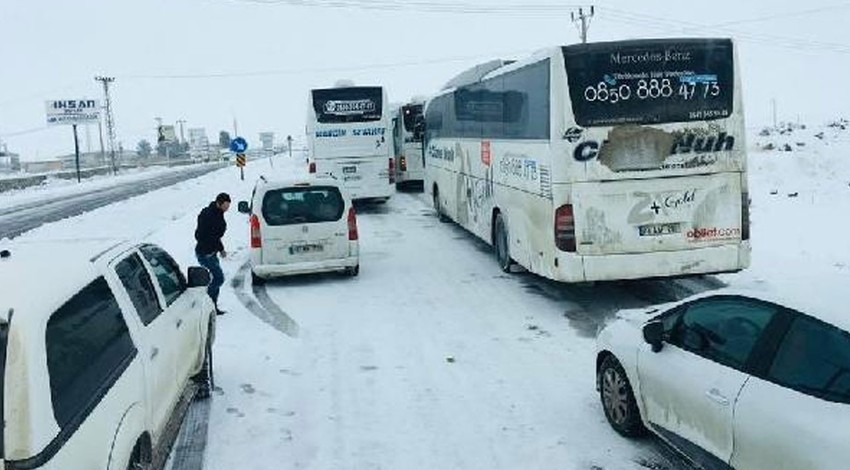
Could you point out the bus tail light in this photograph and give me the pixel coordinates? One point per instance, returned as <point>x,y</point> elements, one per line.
<point>352,224</point>
<point>256,239</point>
<point>745,216</point>
<point>312,167</point>
<point>392,170</point>
<point>565,228</point>
<point>402,163</point>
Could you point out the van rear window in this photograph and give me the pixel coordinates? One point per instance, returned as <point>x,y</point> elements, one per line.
<point>303,205</point>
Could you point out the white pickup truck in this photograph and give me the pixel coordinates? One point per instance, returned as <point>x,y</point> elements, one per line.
<point>101,347</point>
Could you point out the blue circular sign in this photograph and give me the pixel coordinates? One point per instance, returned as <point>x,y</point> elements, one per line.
<point>238,145</point>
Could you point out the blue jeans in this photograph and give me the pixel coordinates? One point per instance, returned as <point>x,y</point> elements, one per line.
<point>211,263</point>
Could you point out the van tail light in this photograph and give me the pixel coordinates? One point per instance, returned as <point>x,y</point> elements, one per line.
<point>745,216</point>
<point>392,170</point>
<point>312,167</point>
<point>402,163</point>
<point>565,228</point>
<point>352,224</point>
<point>256,240</point>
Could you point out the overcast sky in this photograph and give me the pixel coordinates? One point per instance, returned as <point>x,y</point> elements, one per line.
<point>210,61</point>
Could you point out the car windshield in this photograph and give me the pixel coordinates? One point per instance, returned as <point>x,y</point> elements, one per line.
<point>303,205</point>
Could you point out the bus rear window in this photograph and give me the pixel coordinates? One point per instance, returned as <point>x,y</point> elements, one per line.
<point>354,104</point>
<point>303,205</point>
<point>650,81</point>
<point>409,114</point>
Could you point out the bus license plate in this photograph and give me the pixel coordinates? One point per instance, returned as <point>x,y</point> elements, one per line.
<point>655,230</point>
<point>310,248</point>
<point>349,169</point>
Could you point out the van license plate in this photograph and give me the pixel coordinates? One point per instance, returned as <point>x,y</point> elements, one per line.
<point>349,169</point>
<point>654,230</point>
<point>299,249</point>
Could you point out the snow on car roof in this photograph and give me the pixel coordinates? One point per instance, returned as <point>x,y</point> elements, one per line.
<point>41,275</point>
<point>826,301</point>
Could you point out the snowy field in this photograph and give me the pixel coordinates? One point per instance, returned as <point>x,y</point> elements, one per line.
<point>434,359</point>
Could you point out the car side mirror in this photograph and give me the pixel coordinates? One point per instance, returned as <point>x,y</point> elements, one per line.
<point>198,277</point>
<point>653,334</point>
<point>244,208</point>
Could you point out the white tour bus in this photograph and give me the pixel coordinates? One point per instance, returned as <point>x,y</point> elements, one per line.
<point>348,134</point>
<point>407,142</point>
<point>618,160</point>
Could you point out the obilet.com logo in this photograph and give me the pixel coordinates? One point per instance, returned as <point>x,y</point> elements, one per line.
<point>713,233</point>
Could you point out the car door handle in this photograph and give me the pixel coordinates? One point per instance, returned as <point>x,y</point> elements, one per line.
<point>154,353</point>
<point>717,397</point>
<point>179,323</point>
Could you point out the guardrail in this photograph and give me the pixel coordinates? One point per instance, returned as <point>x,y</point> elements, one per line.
<point>8,184</point>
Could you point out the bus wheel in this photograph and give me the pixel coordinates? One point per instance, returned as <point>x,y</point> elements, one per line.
<point>438,207</point>
<point>501,245</point>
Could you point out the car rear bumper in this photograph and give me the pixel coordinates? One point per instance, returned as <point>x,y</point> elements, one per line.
<point>266,271</point>
<point>708,260</point>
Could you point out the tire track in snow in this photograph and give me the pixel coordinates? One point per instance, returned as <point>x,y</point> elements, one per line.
<point>261,305</point>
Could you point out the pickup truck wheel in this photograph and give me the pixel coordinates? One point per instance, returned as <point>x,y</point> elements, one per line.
<point>256,280</point>
<point>204,378</point>
<point>353,271</point>
<point>137,459</point>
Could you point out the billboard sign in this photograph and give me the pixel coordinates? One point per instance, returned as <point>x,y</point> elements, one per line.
<point>267,140</point>
<point>198,138</point>
<point>75,111</point>
<point>167,134</point>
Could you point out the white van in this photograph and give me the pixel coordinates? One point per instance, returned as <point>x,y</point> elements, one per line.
<point>301,226</point>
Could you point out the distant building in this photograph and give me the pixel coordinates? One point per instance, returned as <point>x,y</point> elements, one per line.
<point>42,166</point>
<point>9,162</point>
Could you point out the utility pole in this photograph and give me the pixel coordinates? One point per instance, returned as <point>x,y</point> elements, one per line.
<point>181,122</point>
<point>582,20</point>
<point>100,133</point>
<point>110,121</point>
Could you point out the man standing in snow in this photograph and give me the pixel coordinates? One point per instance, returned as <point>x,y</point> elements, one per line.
<point>211,227</point>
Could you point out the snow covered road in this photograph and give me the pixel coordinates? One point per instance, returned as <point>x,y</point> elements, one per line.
<point>431,358</point>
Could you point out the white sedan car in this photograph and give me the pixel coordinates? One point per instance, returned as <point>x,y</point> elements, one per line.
<point>733,380</point>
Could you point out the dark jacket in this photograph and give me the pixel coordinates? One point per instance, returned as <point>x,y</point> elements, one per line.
<point>211,227</point>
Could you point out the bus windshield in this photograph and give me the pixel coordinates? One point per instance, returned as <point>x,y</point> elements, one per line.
<point>650,81</point>
<point>354,104</point>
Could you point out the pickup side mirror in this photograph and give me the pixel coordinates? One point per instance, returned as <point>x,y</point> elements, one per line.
<point>198,277</point>
<point>244,207</point>
<point>653,334</point>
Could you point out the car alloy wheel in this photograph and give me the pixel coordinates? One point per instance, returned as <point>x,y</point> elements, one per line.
<point>618,399</point>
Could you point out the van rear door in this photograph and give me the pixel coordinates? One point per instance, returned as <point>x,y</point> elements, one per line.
<point>303,224</point>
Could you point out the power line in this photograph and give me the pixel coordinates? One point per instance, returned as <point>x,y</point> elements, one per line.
<point>421,6</point>
<point>25,132</point>
<point>812,11</point>
<point>319,70</point>
<point>655,22</point>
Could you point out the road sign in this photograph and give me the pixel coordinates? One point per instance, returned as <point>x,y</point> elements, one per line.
<point>238,145</point>
<point>79,111</point>
<point>240,160</point>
